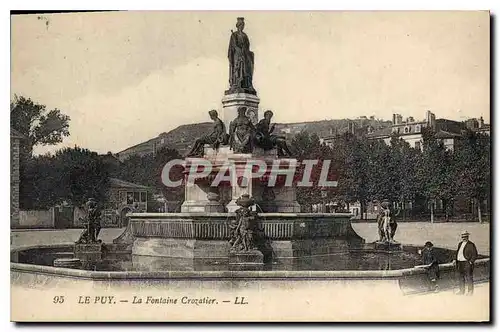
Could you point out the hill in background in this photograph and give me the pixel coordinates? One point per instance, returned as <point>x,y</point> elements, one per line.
<point>182,137</point>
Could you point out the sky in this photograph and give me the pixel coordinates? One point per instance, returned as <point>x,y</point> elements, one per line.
<point>125,77</point>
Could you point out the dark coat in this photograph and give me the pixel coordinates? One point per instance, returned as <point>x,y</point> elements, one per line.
<point>428,256</point>
<point>430,259</point>
<point>470,251</point>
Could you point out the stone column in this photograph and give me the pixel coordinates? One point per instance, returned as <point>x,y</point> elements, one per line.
<point>238,188</point>
<point>230,104</point>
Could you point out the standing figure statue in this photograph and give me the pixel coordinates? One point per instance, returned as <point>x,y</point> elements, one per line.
<point>265,138</point>
<point>93,223</point>
<point>241,132</point>
<point>243,229</point>
<point>217,137</point>
<point>241,61</point>
<point>387,225</point>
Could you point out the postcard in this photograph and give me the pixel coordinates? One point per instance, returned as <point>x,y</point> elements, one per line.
<point>251,166</point>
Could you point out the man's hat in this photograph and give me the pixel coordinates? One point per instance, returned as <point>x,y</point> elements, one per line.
<point>465,233</point>
<point>213,113</point>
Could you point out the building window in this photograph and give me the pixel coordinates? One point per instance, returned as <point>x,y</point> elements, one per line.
<point>418,146</point>
<point>122,197</point>
<point>144,197</point>
<point>136,197</point>
<point>130,198</point>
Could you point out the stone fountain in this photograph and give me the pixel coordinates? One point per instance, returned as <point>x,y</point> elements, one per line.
<point>203,228</point>
<point>228,233</point>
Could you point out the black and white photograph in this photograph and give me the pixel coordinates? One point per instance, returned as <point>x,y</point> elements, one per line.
<point>250,166</point>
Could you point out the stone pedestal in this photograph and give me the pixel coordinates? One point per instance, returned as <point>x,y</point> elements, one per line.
<point>238,188</point>
<point>200,196</point>
<point>231,102</point>
<point>278,198</point>
<point>251,260</point>
<point>88,251</point>
<point>389,246</point>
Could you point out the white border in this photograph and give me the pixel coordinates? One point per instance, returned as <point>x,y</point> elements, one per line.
<point>190,5</point>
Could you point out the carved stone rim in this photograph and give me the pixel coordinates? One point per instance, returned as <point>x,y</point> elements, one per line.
<point>128,275</point>
<point>212,215</point>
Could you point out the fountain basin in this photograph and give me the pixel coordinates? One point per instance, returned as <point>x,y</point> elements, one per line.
<point>155,236</point>
<point>31,266</point>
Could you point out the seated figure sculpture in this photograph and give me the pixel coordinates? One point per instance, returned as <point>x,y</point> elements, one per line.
<point>265,138</point>
<point>241,132</point>
<point>216,138</point>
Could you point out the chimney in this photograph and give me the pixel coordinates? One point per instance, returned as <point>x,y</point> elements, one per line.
<point>431,120</point>
<point>399,119</point>
<point>481,122</point>
<point>394,119</point>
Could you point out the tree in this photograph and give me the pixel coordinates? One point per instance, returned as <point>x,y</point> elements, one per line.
<point>38,183</point>
<point>147,170</point>
<point>163,156</point>
<point>404,162</point>
<point>473,163</point>
<point>435,170</point>
<point>39,125</point>
<point>354,172</point>
<point>308,147</point>
<point>380,172</point>
<point>71,175</point>
<point>82,175</point>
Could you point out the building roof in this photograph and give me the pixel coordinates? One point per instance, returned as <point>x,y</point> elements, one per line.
<point>446,134</point>
<point>380,133</point>
<point>114,182</point>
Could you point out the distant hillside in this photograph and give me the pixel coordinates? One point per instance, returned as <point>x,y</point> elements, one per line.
<point>326,128</point>
<point>182,137</point>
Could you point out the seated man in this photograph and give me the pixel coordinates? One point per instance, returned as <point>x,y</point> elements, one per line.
<point>217,137</point>
<point>430,260</point>
<point>267,140</point>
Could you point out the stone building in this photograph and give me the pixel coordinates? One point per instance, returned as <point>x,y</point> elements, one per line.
<point>15,141</point>
<point>123,197</point>
<point>410,130</point>
<point>478,125</point>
